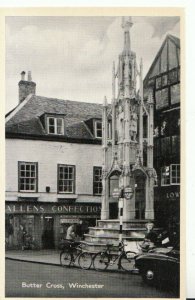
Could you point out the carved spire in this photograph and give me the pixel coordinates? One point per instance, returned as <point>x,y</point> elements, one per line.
<point>126,25</point>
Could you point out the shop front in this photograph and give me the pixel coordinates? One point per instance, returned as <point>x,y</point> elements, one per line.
<point>167,206</point>
<point>46,223</point>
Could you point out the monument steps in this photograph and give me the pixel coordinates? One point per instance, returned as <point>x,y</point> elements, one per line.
<point>107,232</point>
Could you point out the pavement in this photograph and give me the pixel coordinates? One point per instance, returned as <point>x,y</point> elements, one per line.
<point>46,257</point>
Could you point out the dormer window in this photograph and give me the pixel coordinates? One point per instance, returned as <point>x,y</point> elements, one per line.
<point>55,125</point>
<point>98,129</point>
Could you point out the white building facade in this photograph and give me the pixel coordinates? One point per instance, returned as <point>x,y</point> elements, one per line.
<point>53,167</point>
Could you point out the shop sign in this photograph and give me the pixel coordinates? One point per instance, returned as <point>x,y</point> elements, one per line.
<point>172,195</point>
<point>128,193</point>
<point>86,209</point>
<point>69,221</point>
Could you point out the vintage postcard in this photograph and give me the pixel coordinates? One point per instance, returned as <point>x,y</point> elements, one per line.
<point>93,129</point>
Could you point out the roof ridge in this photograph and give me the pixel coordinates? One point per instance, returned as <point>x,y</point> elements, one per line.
<point>68,100</point>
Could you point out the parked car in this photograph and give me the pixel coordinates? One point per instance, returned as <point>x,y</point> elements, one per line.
<point>162,265</point>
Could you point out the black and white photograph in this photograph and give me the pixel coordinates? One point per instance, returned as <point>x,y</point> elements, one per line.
<point>92,157</point>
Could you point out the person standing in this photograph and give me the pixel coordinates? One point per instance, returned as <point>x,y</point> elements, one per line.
<point>70,234</point>
<point>21,236</point>
<point>150,237</point>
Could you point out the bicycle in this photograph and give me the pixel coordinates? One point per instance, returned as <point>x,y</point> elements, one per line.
<point>125,259</point>
<point>30,243</point>
<point>73,252</point>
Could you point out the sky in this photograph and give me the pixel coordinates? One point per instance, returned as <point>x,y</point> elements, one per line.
<point>71,57</point>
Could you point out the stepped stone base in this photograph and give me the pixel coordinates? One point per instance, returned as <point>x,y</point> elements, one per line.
<point>107,232</point>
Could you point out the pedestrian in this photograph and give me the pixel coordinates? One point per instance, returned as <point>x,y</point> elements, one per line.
<point>71,233</point>
<point>22,234</point>
<point>71,237</point>
<point>150,237</point>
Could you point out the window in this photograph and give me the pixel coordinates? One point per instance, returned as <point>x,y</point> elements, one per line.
<point>175,93</point>
<point>28,175</point>
<point>170,175</point>
<point>66,179</point>
<point>97,181</point>
<point>173,76</point>
<point>98,129</point>
<point>55,125</point>
<point>175,174</point>
<point>162,98</point>
<point>164,80</point>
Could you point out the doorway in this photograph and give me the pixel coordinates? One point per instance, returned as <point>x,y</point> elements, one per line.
<point>48,233</point>
<point>113,209</point>
<point>140,195</point>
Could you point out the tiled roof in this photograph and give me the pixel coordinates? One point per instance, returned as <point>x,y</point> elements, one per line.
<point>27,120</point>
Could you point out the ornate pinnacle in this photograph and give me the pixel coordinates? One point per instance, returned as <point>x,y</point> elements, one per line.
<point>127,23</point>
<point>105,103</point>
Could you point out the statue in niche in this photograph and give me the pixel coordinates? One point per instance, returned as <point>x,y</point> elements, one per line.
<point>120,74</point>
<point>133,124</point>
<point>131,74</point>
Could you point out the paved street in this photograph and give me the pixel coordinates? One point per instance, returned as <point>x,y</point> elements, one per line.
<point>24,279</point>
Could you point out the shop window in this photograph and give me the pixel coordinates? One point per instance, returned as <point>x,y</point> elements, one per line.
<point>175,174</point>
<point>28,174</point>
<point>170,175</point>
<point>55,125</point>
<point>97,181</point>
<point>98,129</point>
<point>66,179</point>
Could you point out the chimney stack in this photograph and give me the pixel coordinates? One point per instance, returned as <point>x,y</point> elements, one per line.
<point>29,76</point>
<point>26,87</point>
<point>23,75</point>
